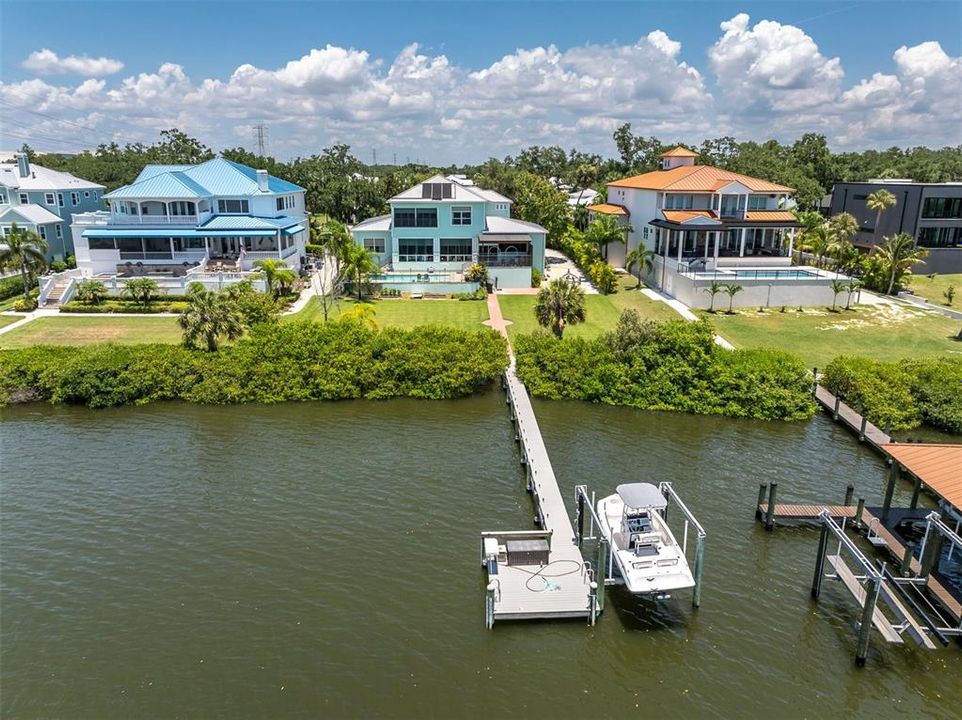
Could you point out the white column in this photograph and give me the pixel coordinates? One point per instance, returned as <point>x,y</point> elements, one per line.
<point>717,235</point>
<point>680,234</point>
<point>707,241</point>
<point>791,243</point>
<point>741,248</point>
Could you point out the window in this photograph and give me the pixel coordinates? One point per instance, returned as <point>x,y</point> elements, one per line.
<point>937,237</point>
<point>285,202</point>
<point>942,207</point>
<point>455,249</point>
<point>679,202</point>
<point>59,231</point>
<point>232,206</point>
<point>43,232</point>
<point>24,199</point>
<point>3,196</point>
<point>157,246</point>
<point>415,250</point>
<point>187,244</point>
<point>757,202</point>
<point>100,243</point>
<point>421,217</point>
<point>859,197</point>
<point>86,193</point>
<point>374,244</point>
<point>461,216</point>
<point>181,207</point>
<point>75,199</point>
<point>49,199</point>
<point>60,201</point>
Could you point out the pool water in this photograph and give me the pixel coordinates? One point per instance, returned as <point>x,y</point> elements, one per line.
<point>794,274</point>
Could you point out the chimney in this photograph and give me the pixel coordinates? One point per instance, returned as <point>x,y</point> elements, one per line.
<point>23,164</point>
<point>262,180</point>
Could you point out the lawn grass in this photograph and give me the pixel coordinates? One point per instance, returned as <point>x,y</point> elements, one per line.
<point>87,330</point>
<point>466,314</point>
<point>932,288</point>
<point>9,319</point>
<point>602,311</point>
<point>881,332</point>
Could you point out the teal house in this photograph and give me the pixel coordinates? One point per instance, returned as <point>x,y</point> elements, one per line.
<point>43,200</point>
<point>442,226</point>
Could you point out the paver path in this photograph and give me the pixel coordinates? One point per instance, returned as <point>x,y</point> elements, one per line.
<point>496,319</point>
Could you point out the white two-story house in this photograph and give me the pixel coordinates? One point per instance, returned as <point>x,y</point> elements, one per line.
<point>42,200</point>
<point>173,218</point>
<point>447,223</point>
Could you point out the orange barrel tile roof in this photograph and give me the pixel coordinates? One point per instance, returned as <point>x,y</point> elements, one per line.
<point>608,209</point>
<point>680,151</point>
<point>697,178</point>
<point>680,216</point>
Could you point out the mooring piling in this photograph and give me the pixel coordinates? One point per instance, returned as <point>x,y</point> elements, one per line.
<point>820,562</point>
<point>849,493</point>
<point>770,514</point>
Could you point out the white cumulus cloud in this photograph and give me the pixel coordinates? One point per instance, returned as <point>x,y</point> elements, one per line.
<point>47,62</point>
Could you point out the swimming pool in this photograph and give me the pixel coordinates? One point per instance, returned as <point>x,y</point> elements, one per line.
<point>410,277</point>
<point>779,274</point>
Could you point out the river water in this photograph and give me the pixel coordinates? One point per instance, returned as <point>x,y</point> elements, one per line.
<point>321,560</point>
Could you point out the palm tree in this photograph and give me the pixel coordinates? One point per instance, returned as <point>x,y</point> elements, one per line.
<point>841,230</point>
<point>898,254</point>
<point>140,290</point>
<point>284,279</point>
<point>358,263</point>
<point>838,287</point>
<point>879,201</point>
<point>713,289</point>
<point>605,230</point>
<point>269,269</point>
<point>335,237</point>
<point>209,316</point>
<point>91,292</point>
<point>640,258</point>
<point>853,287</point>
<point>560,304</point>
<point>818,241</point>
<point>362,313</point>
<point>732,289</point>
<point>25,251</point>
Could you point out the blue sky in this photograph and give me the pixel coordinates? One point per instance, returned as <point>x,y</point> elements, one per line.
<point>779,78</point>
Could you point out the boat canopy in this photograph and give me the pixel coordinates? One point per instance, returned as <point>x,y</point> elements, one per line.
<point>642,495</point>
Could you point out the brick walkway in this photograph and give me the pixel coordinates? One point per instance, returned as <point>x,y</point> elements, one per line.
<point>496,319</point>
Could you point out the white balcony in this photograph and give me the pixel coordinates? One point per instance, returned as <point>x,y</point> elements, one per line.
<point>121,219</point>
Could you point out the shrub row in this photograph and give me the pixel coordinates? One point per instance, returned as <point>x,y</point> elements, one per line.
<point>275,363</point>
<point>121,306</point>
<point>901,395</point>
<point>11,286</point>
<point>674,365</point>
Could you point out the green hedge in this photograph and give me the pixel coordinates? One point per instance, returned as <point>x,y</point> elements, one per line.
<point>115,306</point>
<point>275,363</point>
<point>901,395</point>
<point>11,286</point>
<point>674,365</point>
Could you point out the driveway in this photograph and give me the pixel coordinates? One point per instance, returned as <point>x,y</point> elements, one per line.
<point>557,264</point>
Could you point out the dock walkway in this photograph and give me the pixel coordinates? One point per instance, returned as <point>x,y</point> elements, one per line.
<point>562,588</point>
<point>851,418</point>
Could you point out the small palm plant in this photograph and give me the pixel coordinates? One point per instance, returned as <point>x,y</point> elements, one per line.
<point>140,290</point>
<point>209,317</point>
<point>713,289</point>
<point>270,268</point>
<point>559,305</point>
<point>639,259</point>
<point>949,295</point>
<point>838,287</point>
<point>898,253</point>
<point>362,313</point>
<point>91,292</point>
<point>732,289</point>
<point>853,287</point>
<point>605,230</point>
<point>25,251</point>
<point>358,262</point>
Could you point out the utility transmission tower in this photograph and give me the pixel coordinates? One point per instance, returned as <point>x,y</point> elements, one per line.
<point>374,155</point>
<point>260,133</point>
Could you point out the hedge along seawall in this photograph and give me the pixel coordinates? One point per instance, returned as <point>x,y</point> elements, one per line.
<point>275,363</point>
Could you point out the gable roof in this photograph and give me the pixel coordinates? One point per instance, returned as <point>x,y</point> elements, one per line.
<point>248,222</point>
<point>680,151</point>
<point>34,214</point>
<point>216,177</point>
<point>696,178</point>
<point>607,209</point>
<point>464,191</point>
<point>510,226</point>
<point>694,217</point>
<point>41,178</point>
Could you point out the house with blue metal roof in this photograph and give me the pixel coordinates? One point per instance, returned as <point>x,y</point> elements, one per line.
<point>440,227</point>
<point>179,219</point>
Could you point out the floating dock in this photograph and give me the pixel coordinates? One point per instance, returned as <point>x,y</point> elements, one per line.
<point>536,574</point>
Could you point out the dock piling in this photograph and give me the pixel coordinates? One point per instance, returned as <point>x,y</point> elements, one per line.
<point>838,401</point>
<point>872,588</point>
<point>907,558</point>
<point>762,491</point>
<point>849,493</point>
<point>862,425</point>
<point>602,572</point>
<point>894,472</point>
<point>915,493</point>
<point>859,510</point>
<point>699,562</point>
<point>581,520</point>
<point>770,514</point>
<point>820,562</point>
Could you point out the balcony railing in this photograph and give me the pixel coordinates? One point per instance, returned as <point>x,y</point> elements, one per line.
<point>121,219</point>
<point>507,259</point>
<point>455,257</point>
<point>415,258</point>
<point>133,255</point>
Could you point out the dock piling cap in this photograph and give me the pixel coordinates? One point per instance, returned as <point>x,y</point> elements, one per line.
<point>641,495</point>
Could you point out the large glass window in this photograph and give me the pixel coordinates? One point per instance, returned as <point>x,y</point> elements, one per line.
<point>157,246</point>
<point>420,217</point>
<point>130,245</point>
<point>679,202</point>
<point>232,206</point>
<point>415,250</point>
<point>942,207</point>
<point>757,202</point>
<point>455,249</point>
<point>427,217</point>
<point>186,244</point>
<point>75,199</point>
<point>936,237</point>
<point>100,243</point>
<point>461,216</point>
<point>405,217</point>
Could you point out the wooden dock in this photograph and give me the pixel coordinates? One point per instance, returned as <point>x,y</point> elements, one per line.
<point>852,419</point>
<point>790,511</point>
<point>563,587</point>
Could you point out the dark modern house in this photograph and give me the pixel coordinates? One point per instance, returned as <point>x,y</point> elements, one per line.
<point>929,212</point>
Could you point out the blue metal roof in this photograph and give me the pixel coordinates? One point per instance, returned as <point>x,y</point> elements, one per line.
<point>217,177</point>
<point>293,230</point>
<point>177,232</point>
<point>241,222</point>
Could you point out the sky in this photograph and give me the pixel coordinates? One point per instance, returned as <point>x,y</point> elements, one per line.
<point>457,82</point>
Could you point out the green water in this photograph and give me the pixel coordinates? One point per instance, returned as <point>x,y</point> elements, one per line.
<point>320,560</point>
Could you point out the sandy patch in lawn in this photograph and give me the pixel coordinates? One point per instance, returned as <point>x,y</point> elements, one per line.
<point>880,315</point>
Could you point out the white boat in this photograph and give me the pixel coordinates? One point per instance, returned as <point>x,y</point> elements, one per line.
<point>642,546</point>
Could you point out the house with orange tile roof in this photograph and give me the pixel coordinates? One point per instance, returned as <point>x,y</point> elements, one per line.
<point>704,224</point>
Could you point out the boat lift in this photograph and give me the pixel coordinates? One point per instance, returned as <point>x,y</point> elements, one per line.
<point>604,566</point>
